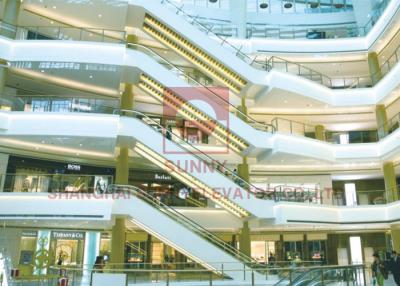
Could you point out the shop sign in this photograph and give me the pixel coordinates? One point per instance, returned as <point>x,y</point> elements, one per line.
<point>29,233</point>
<point>72,235</point>
<point>162,177</point>
<point>73,167</point>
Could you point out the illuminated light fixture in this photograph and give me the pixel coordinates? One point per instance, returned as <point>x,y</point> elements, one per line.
<point>189,180</point>
<point>183,108</point>
<point>288,5</point>
<point>149,24</point>
<point>69,83</point>
<point>53,148</point>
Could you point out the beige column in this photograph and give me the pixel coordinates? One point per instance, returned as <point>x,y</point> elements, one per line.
<point>132,39</point>
<point>243,109</point>
<point>118,242</point>
<point>243,170</point>
<point>374,67</point>
<point>118,230</point>
<point>389,175</point>
<point>381,120</point>
<point>395,233</point>
<point>122,167</point>
<point>127,98</point>
<point>320,133</point>
<point>244,239</point>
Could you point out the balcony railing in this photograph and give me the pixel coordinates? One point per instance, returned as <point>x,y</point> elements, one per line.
<point>265,30</point>
<point>64,33</point>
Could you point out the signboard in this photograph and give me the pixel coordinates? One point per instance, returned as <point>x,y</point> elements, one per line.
<point>69,235</point>
<point>29,233</point>
<point>73,167</point>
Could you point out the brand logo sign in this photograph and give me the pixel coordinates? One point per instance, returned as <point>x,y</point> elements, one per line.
<point>29,233</point>
<point>74,167</point>
<point>72,235</point>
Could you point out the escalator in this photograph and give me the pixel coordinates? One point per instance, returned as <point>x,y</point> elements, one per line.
<point>171,91</point>
<point>211,54</point>
<point>183,234</point>
<point>324,275</point>
<point>209,178</point>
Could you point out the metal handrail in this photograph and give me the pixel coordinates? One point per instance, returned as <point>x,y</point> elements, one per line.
<point>237,180</point>
<point>223,41</point>
<point>249,119</point>
<point>182,219</point>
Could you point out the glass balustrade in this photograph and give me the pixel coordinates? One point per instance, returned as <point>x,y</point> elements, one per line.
<point>264,30</point>
<point>356,275</point>
<point>65,33</point>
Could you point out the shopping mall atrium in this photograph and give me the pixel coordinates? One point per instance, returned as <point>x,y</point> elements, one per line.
<point>199,142</point>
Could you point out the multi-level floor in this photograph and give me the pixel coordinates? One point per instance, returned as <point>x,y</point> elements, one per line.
<point>250,141</point>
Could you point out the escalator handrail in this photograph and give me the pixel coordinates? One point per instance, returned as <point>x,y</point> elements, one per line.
<point>248,118</point>
<point>174,214</point>
<point>245,58</point>
<point>251,187</point>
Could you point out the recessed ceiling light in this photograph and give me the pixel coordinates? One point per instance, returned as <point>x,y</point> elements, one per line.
<point>43,142</point>
<point>91,76</point>
<point>80,145</point>
<point>99,15</point>
<point>54,7</point>
<point>285,101</point>
<point>51,22</point>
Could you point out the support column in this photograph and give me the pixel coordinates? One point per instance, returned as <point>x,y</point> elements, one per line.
<point>389,175</point>
<point>118,230</point>
<point>149,249</point>
<point>122,167</point>
<point>243,108</point>
<point>3,170</point>
<point>243,170</point>
<point>10,18</point>
<point>320,133</point>
<point>374,67</point>
<point>238,13</point>
<point>395,233</point>
<point>381,120</point>
<point>127,97</point>
<point>244,239</point>
<point>118,241</point>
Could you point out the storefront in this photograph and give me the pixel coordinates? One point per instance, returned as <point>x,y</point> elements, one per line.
<point>41,249</point>
<point>32,175</point>
<point>66,247</point>
<point>166,188</point>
